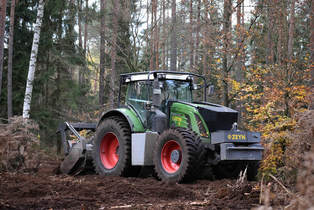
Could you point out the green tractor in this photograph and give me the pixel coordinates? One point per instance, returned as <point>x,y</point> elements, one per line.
<point>157,124</point>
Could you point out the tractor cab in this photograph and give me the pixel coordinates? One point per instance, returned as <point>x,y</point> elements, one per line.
<point>166,86</point>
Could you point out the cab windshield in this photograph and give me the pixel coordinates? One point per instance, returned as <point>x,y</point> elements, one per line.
<point>140,92</point>
<point>176,90</point>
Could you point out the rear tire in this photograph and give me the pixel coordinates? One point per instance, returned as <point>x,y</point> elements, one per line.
<point>176,155</point>
<point>112,148</point>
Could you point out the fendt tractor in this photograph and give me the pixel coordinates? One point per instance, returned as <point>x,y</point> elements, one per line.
<point>158,125</point>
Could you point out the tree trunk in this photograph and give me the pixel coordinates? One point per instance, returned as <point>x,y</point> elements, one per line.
<point>147,20</point>
<point>85,27</point>
<point>281,44</point>
<point>163,44</point>
<point>291,30</point>
<point>226,44</point>
<point>156,45</point>
<point>191,36</point>
<point>2,30</point>
<point>154,37</point>
<point>79,6</point>
<point>114,51</point>
<point>242,17</point>
<point>198,26</point>
<point>79,22</point>
<point>270,42</point>
<point>10,57</point>
<point>167,47</point>
<point>152,49</point>
<point>102,52</point>
<point>206,38</point>
<point>238,69</point>
<point>32,61</point>
<point>312,47</point>
<point>173,56</point>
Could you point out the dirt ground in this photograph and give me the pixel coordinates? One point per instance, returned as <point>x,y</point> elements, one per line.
<point>46,190</point>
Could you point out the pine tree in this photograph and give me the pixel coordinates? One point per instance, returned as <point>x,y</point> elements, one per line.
<point>3,9</point>
<point>102,51</point>
<point>115,18</point>
<point>10,58</point>
<point>173,41</point>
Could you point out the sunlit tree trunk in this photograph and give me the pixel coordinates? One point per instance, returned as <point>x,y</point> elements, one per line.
<point>3,9</point>
<point>10,57</point>
<point>32,62</point>
<point>102,52</point>
<point>173,42</point>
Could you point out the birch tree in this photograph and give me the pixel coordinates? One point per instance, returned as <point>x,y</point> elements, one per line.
<point>32,62</point>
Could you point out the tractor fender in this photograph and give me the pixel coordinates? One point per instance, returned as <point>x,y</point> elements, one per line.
<point>134,122</point>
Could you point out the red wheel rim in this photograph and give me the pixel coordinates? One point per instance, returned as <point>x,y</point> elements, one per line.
<point>109,150</point>
<point>168,165</point>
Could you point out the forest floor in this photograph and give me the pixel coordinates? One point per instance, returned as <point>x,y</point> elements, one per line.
<point>47,190</point>
<point>29,180</point>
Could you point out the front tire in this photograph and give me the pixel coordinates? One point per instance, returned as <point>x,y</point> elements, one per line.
<point>176,155</point>
<point>112,148</point>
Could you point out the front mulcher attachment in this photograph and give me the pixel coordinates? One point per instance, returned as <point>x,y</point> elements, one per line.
<point>77,152</point>
<point>237,150</point>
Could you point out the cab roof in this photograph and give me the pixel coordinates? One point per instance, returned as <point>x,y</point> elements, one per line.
<point>165,75</point>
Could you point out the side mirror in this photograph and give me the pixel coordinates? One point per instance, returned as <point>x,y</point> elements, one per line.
<point>195,87</point>
<point>211,90</point>
<point>148,106</point>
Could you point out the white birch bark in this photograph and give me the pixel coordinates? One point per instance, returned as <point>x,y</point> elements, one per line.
<point>32,62</point>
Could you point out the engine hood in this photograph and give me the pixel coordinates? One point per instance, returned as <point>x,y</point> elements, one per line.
<point>214,107</point>
<point>217,117</point>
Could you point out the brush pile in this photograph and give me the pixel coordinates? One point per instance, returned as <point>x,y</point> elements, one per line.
<point>19,146</point>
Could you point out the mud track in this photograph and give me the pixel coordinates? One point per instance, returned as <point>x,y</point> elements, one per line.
<point>45,190</point>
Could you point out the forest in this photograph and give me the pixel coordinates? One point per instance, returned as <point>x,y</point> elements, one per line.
<point>61,61</point>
